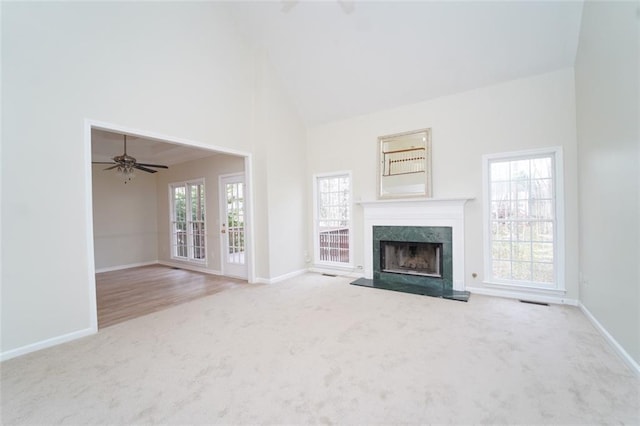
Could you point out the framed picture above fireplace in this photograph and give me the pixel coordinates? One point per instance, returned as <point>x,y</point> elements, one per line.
<point>404,165</point>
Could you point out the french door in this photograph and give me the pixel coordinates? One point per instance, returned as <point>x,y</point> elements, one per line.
<point>232,225</point>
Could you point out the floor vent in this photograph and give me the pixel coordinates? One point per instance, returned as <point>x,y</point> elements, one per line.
<point>535,303</point>
<point>329,275</point>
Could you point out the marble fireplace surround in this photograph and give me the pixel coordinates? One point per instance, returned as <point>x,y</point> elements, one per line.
<point>447,212</point>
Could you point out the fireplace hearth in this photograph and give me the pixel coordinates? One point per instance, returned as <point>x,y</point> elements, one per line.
<point>413,259</point>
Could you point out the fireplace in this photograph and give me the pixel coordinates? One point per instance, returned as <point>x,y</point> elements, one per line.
<point>416,255</point>
<point>427,235</point>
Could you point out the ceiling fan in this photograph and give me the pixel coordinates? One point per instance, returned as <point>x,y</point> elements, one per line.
<point>125,164</point>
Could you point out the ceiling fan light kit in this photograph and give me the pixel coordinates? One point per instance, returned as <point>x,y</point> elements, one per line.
<point>125,165</point>
<point>126,172</point>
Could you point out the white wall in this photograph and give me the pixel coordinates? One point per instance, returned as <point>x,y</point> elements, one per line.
<point>124,219</point>
<point>209,168</point>
<point>280,177</point>
<point>521,114</point>
<point>174,68</point>
<point>607,96</point>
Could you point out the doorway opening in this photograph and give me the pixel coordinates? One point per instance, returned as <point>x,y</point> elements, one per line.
<point>130,226</point>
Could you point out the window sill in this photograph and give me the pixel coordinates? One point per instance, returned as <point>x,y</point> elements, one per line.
<point>526,287</point>
<point>344,271</point>
<point>334,265</point>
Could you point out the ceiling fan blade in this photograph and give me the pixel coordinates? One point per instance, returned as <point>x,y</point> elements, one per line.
<point>102,162</point>
<point>112,167</point>
<point>144,169</point>
<point>153,165</point>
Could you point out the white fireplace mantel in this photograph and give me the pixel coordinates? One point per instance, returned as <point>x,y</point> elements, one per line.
<point>417,212</point>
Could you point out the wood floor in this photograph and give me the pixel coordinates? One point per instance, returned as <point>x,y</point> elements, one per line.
<point>130,293</point>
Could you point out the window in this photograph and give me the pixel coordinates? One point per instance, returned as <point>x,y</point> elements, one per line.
<point>524,220</point>
<point>333,236</point>
<point>188,221</point>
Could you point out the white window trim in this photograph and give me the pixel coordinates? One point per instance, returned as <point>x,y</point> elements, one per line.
<point>189,258</point>
<point>559,229</point>
<point>316,240</point>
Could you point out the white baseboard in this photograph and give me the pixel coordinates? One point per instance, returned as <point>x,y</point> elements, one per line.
<point>279,278</point>
<point>522,295</point>
<point>189,267</point>
<point>46,343</point>
<point>130,265</point>
<point>633,365</point>
<point>161,262</point>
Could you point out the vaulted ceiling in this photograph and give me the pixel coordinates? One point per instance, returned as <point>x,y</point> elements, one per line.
<point>341,58</point>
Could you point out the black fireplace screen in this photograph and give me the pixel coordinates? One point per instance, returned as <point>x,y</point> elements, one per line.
<point>411,258</point>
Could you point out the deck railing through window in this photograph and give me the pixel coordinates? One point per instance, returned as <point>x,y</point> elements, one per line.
<point>334,245</point>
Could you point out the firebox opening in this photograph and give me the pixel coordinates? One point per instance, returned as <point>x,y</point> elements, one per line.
<point>411,258</point>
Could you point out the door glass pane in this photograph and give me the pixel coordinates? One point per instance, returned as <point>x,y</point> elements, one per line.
<point>188,224</point>
<point>235,223</point>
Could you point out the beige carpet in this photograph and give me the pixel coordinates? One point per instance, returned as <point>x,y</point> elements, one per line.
<point>315,350</point>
